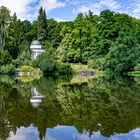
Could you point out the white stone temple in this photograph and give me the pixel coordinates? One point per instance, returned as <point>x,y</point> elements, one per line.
<point>36,49</point>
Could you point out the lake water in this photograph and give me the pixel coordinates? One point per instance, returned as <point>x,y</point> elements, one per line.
<point>65,109</point>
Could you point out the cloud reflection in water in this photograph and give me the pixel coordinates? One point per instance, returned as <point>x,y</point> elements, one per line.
<point>69,133</point>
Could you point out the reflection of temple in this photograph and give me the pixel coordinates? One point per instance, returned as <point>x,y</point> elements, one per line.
<point>36,98</point>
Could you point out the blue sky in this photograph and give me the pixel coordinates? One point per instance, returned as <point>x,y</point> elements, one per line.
<point>63,10</point>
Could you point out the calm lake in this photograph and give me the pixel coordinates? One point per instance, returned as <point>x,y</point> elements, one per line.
<point>65,109</point>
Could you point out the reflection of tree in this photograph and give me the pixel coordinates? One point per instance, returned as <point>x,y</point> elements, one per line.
<point>113,104</point>
<point>7,79</point>
<point>4,128</point>
<point>47,86</point>
<point>108,106</point>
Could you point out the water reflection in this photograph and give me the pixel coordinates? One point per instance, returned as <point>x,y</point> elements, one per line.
<point>69,133</point>
<point>36,98</point>
<point>98,109</point>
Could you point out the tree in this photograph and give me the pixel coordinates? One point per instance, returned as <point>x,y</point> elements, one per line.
<point>76,45</point>
<point>27,28</point>
<point>45,61</point>
<point>4,21</point>
<point>124,54</point>
<point>42,25</point>
<point>15,36</point>
<point>5,58</point>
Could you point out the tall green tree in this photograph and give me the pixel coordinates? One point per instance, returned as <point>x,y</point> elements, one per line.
<point>4,22</point>
<point>15,36</point>
<point>76,44</point>
<point>5,58</point>
<point>42,25</point>
<point>124,54</point>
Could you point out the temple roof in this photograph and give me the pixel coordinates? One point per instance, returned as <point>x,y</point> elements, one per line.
<point>35,42</point>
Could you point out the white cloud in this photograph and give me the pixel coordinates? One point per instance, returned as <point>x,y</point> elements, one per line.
<point>76,2</point>
<point>21,7</point>
<point>136,9</point>
<point>98,6</point>
<point>85,8</point>
<point>81,9</point>
<point>28,9</point>
<point>111,4</point>
<point>59,19</point>
<point>49,5</point>
<point>131,7</point>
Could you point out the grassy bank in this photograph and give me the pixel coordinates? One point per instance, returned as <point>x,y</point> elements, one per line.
<point>134,73</point>
<point>81,67</point>
<point>28,73</point>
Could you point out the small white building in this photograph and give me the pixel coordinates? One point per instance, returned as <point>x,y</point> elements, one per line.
<point>36,49</point>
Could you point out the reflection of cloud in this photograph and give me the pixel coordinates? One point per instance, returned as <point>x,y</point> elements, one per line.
<point>62,133</point>
<point>69,133</point>
<point>61,127</point>
<point>83,136</point>
<point>50,138</point>
<point>29,133</point>
<point>132,135</point>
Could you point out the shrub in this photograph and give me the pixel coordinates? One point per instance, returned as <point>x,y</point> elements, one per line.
<point>63,68</point>
<point>26,69</point>
<point>49,66</point>
<point>5,58</point>
<point>7,69</point>
<point>123,55</point>
<point>98,63</point>
<point>23,59</point>
<point>45,62</point>
<point>7,79</point>
<point>137,67</point>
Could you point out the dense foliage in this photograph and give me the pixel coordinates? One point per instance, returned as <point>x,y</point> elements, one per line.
<point>107,42</point>
<point>5,57</point>
<point>45,62</point>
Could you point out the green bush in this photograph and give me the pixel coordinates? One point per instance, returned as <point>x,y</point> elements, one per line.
<point>137,67</point>
<point>98,63</point>
<point>45,62</point>
<point>7,69</point>
<point>23,59</point>
<point>5,58</point>
<point>7,79</point>
<point>49,66</point>
<point>63,68</point>
<point>26,69</point>
<point>123,55</point>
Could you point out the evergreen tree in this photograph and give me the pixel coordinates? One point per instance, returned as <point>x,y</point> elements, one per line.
<point>42,25</point>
